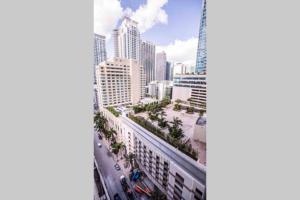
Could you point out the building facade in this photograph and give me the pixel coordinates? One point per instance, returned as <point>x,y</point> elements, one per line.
<point>99,51</point>
<point>174,173</point>
<point>120,82</point>
<point>160,66</point>
<point>115,36</point>
<point>96,102</point>
<point>127,40</point>
<point>160,89</point>
<point>148,60</point>
<point>168,71</point>
<point>180,68</point>
<point>99,56</point>
<point>200,130</point>
<point>201,51</point>
<point>191,89</point>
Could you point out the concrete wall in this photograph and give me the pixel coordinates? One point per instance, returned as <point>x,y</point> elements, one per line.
<point>199,133</point>
<point>181,93</point>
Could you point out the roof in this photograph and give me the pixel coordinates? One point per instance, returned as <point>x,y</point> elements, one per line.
<point>190,166</point>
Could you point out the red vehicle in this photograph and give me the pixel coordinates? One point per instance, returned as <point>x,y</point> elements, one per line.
<point>137,189</point>
<point>142,188</point>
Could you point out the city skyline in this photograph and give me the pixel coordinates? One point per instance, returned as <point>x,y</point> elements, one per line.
<point>150,118</point>
<point>160,22</point>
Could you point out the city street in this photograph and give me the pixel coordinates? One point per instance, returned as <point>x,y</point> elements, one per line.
<point>106,164</point>
<point>111,176</point>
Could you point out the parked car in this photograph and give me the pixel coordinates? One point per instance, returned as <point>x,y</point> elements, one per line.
<point>117,197</point>
<point>99,136</point>
<point>99,144</point>
<point>117,167</point>
<point>126,188</point>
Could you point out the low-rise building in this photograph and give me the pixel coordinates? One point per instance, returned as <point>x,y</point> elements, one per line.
<point>191,89</point>
<point>174,173</point>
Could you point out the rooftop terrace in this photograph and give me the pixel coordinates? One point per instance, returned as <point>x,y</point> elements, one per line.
<point>189,121</point>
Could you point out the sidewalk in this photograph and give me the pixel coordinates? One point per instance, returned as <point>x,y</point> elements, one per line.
<point>120,159</point>
<point>125,170</point>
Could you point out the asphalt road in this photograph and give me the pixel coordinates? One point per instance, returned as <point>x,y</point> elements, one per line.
<point>106,164</point>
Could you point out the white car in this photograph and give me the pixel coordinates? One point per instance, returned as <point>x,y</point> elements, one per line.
<point>99,144</point>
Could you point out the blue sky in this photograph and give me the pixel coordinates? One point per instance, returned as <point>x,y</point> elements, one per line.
<point>172,25</point>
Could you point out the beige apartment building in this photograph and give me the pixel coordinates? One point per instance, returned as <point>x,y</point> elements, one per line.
<point>120,81</point>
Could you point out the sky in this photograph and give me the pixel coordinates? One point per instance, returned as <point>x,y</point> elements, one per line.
<point>172,25</point>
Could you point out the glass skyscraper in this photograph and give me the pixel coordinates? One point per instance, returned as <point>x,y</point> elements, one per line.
<point>201,51</point>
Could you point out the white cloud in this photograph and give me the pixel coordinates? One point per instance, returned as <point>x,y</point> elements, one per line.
<point>149,14</point>
<point>106,16</point>
<point>181,51</point>
<point>108,12</point>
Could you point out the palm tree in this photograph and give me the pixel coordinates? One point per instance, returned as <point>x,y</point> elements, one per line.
<point>100,122</point>
<point>162,113</point>
<point>116,147</point>
<point>177,106</point>
<point>131,158</point>
<point>178,101</point>
<point>190,110</point>
<point>175,131</point>
<point>176,122</point>
<point>162,120</point>
<point>112,135</point>
<point>165,101</point>
<point>153,111</point>
<point>201,112</point>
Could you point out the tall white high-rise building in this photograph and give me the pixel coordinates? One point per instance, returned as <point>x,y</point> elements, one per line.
<point>116,41</point>
<point>120,81</point>
<point>127,40</point>
<point>160,66</point>
<point>148,60</point>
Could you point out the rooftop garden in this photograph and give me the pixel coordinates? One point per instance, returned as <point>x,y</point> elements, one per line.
<point>174,133</point>
<point>189,109</point>
<point>113,111</point>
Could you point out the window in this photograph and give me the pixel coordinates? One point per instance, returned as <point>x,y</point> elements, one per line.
<point>198,194</point>
<point>179,180</point>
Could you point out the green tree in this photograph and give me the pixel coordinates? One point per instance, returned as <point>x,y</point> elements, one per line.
<point>177,107</point>
<point>130,158</point>
<point>190,110</point>
<point>166,101</point>
<point>153,111</point>
<point>162,122</point>
<point>100,122</point>
<point>201,113</point>
<point>113,111</point>
<point>178,101</point>
<point>116,147</point>
<point>111,135</point>
<point>175,130</point>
